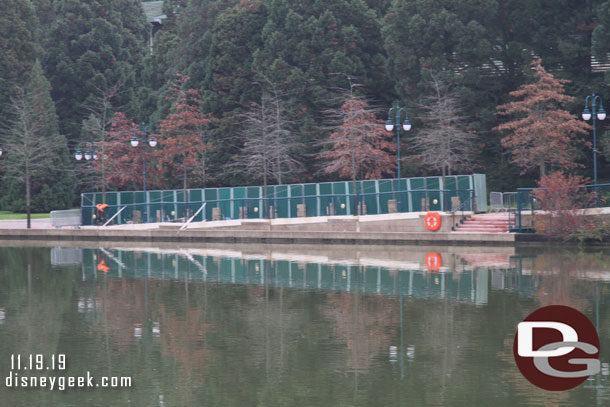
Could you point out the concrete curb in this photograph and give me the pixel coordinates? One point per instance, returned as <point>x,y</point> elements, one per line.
<point>257,236</point>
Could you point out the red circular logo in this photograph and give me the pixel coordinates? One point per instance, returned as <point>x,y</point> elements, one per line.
<point>556,348</point>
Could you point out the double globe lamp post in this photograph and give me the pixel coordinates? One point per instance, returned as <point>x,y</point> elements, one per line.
<point>406,126</point>
<point>596,114</point>
<point>143,140</point>
<point>90,154</point>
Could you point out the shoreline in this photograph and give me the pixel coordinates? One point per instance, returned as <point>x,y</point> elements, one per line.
<point>274,237</point>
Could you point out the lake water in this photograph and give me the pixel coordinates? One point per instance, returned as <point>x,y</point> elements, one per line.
<point>290,325</point>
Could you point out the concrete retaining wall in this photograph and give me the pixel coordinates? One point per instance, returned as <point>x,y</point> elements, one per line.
<point>255,236</point>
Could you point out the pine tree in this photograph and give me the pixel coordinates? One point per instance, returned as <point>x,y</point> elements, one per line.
<point>540,133</point>
<point>92,45</point>
<point>18,48</point>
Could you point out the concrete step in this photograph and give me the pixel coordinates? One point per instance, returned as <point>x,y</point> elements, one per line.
<point>485,223</point>
<point>482,227</point>
<point>478,222</point>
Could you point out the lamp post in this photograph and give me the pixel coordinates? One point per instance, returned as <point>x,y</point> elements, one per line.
<point>152,141</point>
<point>88,151</point>
<point>595,114</point>
<point>406,126</point>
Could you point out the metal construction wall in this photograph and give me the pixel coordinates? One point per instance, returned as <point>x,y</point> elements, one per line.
<point>320,199</point>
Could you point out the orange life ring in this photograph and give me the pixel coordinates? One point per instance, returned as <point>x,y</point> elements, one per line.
<point>433,221</point>
<point>434,262</point>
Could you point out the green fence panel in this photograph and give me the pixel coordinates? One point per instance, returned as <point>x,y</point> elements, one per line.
<point>464,182</point>
<point>416,196</point>
<point>386,192</point>
<point>239,195</point>
<point>450,187</point>
<point>320,199</point>
<point>340,199</point>
<point>326,199</point>
<point>156,207</point>
<point>112,198</point>
<point>195,195</point>
<point>180,205</point>
<point>311,200</point>
<point>281,201</point>
<point>402,184</point>
<point>168,196</point>
<point>296,198</point>
<point>210,196</point>
<point>479,184</point>
<point>371,201</point>
<point>224,196</point>
<point>254,202</point>
<point>434,198</point>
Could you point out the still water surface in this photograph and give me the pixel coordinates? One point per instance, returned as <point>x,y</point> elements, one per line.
<point>292,326</point>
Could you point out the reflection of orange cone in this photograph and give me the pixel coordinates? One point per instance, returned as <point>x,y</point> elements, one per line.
<point>103,267</point>
<point>434,261</point>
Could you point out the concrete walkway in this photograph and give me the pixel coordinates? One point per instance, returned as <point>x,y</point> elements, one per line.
<point>22,224</point>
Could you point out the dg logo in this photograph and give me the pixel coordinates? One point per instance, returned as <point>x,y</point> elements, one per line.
<point>556,348</point>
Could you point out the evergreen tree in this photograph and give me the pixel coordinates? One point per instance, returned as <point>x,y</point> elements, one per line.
<point>36,159</point>
<point>18,50</point>
<point>92,45</point>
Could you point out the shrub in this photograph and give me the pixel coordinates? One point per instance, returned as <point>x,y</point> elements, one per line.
<point>562,199</point>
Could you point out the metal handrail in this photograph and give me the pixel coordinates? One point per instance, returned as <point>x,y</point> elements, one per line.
<point>192,217</point>
<point>114,216</point>
<point>461,207</point>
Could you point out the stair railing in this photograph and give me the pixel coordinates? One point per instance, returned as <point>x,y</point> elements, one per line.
<point>461,208</point>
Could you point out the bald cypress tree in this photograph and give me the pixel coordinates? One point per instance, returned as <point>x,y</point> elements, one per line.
<point>36,160</point>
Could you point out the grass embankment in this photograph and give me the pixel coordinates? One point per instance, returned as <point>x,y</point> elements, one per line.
<point>7,215</point>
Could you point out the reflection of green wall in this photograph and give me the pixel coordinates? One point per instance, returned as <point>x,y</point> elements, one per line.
<point>289,274</point>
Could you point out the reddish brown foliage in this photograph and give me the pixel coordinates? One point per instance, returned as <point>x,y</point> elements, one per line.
<point>542,133</point>
<point>123,163</point>
<point>360,141</point>
<point>182,133</point>
<point>561,200</point>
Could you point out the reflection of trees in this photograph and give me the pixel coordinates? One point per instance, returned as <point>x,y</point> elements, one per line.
<point>562,278</point>
<point>367,325</point>
<point>132,308</point>
<point>35,300</point>
<point>514,380</point>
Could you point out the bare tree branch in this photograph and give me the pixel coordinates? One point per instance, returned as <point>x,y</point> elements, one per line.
<point>443,143</point>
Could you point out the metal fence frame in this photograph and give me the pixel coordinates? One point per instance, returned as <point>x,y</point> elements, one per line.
<point>70,217</point>
<point>526,201</point>
<point>261,208</point>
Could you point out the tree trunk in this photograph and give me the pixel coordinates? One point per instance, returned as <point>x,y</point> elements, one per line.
<point>542,169</point>
<point>443,187</point>
<point>355,207</point>
<point>266,207</point>
<point>28,200</point>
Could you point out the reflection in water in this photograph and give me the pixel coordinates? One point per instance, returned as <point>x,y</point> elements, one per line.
<point>223,328</point>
